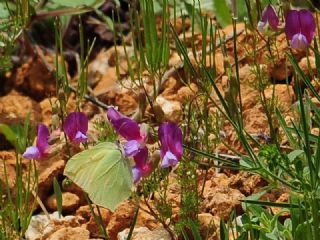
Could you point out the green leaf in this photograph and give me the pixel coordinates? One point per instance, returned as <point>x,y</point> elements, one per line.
<point>4,12</point>
<point>58,194</point>
<point>224,233</point>
<point>294,154</point>
<point>195,229</point>
<point>103,173</point>
<point>222,12</point>
<point>73,3</point>
<point>8,133</point>
<point>133,224</point>
<point>272,204</point>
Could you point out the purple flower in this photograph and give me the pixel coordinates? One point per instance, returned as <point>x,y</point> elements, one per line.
<point>135,135</point>
<point>300,28</point>
<point>76,127</point>
<point>139,172</point>
<point>40,150</point>
<point>171,150</point>
<point>269,18</point>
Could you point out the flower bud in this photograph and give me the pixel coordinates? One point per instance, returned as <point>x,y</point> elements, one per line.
<point>269,20</point>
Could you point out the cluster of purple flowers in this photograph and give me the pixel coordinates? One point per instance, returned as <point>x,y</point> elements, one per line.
<point>170,137</point>
<point>75,127</point>
<point>300,26</point>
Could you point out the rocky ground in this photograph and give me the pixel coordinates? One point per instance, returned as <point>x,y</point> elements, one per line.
<point>29,87</point>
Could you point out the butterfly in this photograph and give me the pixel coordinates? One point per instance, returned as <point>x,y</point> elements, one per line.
<point>103,173</point>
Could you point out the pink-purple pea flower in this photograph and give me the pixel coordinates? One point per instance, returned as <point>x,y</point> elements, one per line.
<point>135,146</point>
<point>170,137</point>
<point>141,171</point>
<point>269,19</point>
<point>40,150</point>
<point>300,28</point>
<point>76,126</point>
<point>130,130</point>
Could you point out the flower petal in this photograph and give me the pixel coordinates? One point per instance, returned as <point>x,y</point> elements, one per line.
<point>163,133</point>
<point>42,138</point>
<point>270,16</point>
<point>131,147</point>
<point>136,173</point>
<point>141,157</point>
<point>139,172</point>
<point>170,137</point>
<point>261,26</point>
<point>169,160</point>
<point>146,169</point>
<point>32,153</point>
<point>300,22</point>
<point>113,114</point>
<point>292,25</point>
<point>307,24</point>
<point>299,41</point>
<point>126,127</point>
<point>80,137</point>
<point>75,122</point>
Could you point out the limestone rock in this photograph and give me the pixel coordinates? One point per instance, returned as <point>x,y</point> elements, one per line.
<point>221,201</point>
<point>308,66</point>
<point>35,78</point>
<point>14,108</point>
<point>90,223</point>
<point>48,170</point>
<point>42,226</point>
<point>107,83</point>
<point>247,183</point>
<point>171,109</point>
<point>74,188</point>
<point>143,233</point>
<point>70,202</point>
<point>187,92</point>
<point>284,95</point>
<point>121,219</point>
<point>69,233</point>
<point>126,101</point>
<point>209,225</point>
<point>170,88</point>
<point>46,110</point>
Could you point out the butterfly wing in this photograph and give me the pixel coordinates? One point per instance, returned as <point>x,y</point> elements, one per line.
<point>103,173</point>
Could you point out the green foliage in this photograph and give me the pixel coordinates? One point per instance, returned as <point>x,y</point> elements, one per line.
<point>8,133</point>
<point>72,3</point>
<point>105,131</point>
<point>17,204</point>
<point>260,224</point>
<point>222,11</point>
<point>58,194</point>
<point>133,224</point>
<point>106,176</point>
<point>100,171</point>
<point>271,157</point>
<point>157,49</point>
<point>18,134</point>
<point>17,16</point>
<point>297,170</point>
<point>187,176</point>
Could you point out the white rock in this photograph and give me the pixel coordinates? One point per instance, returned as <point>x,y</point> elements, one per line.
<point>42,225</point>
<point>171,109</point>
<point>143,233</point>
<point>39,225</point>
